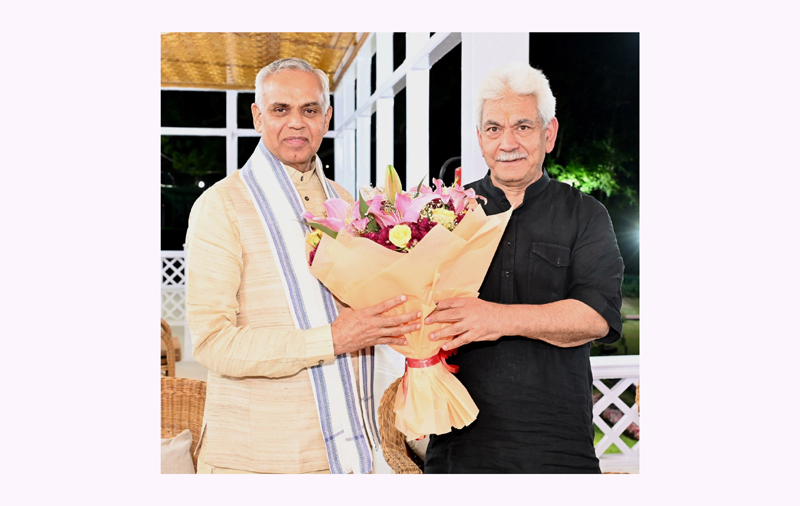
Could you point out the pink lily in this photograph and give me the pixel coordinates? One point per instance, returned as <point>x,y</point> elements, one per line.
<point>457,194</point>
<point>406,209</point>
<point>340,215</point>
<point>375,204</point>
<point>423,190</point>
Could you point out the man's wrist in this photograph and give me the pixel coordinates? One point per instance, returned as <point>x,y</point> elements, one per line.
<point>506,319</point>
<point>516,320</point>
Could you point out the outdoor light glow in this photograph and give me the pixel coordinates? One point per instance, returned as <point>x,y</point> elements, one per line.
<point>201,184</point>
<point>327,166</point>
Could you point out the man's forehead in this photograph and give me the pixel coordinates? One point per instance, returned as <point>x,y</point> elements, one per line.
<point>510,118</point>
<point>293,86</point>
<point>278,101</point>
<point>511,109</point>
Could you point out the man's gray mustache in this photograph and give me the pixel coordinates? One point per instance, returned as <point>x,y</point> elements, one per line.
<point>510,156</point>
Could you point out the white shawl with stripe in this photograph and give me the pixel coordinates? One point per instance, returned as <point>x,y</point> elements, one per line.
<point>341,415</point>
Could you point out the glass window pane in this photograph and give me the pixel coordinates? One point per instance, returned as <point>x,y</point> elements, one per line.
<point>200,109</point>
<point>244,116</point>
<point>332,124</point>
<point>445,131</point>
<point>189,166</point>
<point>325,154</point>
<point>246,146</point>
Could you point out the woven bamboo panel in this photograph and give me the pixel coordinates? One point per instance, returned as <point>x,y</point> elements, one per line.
<point>232,60</point>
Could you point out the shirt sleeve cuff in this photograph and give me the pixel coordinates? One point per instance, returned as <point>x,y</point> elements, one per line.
<point>319,344</point>
<point>612,315</point>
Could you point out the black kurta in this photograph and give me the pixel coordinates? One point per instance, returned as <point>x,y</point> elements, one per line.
<point>535,399</point>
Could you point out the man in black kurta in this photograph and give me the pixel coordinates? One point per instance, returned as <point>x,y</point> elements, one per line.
<point>552,288</point>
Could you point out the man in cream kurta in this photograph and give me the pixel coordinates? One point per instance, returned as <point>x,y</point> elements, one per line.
<point>260,413</point>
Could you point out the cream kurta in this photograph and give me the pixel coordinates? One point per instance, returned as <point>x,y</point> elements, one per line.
<point>260,413</point>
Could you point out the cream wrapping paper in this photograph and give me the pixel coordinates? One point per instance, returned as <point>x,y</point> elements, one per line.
<point>443,264</point>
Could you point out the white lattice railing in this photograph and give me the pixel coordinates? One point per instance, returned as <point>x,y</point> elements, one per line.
<point>173,268</point>
<point>173,297</point>
<point>173,287</point>
<point>173,305</point>
<point>624,369</point>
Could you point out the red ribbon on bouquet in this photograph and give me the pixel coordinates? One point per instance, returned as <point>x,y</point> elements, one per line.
<point>419,363</point>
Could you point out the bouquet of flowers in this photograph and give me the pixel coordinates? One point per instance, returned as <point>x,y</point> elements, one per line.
<point>427,244</point>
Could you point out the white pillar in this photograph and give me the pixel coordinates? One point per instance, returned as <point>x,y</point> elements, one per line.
<point>417,99</point>
<point>363,123</point>
<point>348,169</point>
<point>338,141</point>
<point>231,143</point>
<point>384,142</point>
<point>480,53</point>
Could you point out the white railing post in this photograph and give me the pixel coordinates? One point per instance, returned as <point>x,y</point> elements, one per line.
<point>231,136</point>
<point>364,121</point>
<point>417,112</point>
<point>338,140</point>
<point>384,129</point>
<point>480,53</point>
<point>348,174</point>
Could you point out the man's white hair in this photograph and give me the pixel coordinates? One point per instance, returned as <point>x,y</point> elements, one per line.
<point>519,79</point>
<point>291,64</point>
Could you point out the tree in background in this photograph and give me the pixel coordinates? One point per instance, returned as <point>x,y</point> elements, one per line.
<point>597,169</point>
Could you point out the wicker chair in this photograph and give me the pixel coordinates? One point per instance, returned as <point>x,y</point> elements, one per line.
<point>182,403</point>
<point>170,350</point>
<point>395,450</point>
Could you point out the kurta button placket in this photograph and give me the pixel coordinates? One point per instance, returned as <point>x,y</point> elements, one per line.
<point>507,281</point>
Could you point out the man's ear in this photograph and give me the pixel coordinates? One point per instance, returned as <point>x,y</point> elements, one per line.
<point>256,117</point>
<point>550,134</point>
<point>480,141</point>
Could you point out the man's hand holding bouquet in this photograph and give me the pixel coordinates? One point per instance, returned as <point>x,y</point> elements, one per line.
<point>427,244</point>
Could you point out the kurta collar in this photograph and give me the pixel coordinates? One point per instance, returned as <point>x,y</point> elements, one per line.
<point>302,178</point>
<point>298,178</point>
<point>531,191</point>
